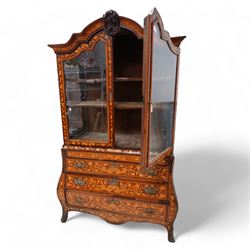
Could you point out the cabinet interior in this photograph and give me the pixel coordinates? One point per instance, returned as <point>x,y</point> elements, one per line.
<point>127,57</point>
<point>87,93</point>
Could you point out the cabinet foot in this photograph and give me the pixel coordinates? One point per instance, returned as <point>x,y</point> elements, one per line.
<point>64,216</point>
<point>170,234</point>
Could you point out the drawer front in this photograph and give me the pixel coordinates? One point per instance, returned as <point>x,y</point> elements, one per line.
<point>117,186</point>
<point>114,168</point>
<point>130,207</point>
<point>104,156</point>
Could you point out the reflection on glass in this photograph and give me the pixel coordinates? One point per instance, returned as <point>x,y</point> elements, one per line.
<point>85,82</point>
<point>162,95</point>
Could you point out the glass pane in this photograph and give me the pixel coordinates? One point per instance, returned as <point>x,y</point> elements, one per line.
<point>162,95</point>
<point>85,80</point>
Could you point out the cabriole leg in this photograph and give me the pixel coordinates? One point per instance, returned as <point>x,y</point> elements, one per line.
<point>64,215</point>
<point>172,206</point>
<point>61,197</point>
<point>170,233</point>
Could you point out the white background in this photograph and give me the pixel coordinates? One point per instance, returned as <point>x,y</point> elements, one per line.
<point>211,170</point>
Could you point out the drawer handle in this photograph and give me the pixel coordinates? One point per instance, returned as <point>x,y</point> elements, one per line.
<point>151,171</point>
<point>79,182</point>
<point>78,200</point>
<point>79,164</point>
<point>112,201</point>
<point>115,165</point>
<point>150,190</point>
<point>149,210</point>
<point>113,182</point>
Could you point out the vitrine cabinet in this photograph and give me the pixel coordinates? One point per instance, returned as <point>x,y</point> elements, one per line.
<point>118,95</point>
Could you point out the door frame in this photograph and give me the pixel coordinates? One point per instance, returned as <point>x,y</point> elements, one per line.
<point>109,89</point>
<point>152,19</point>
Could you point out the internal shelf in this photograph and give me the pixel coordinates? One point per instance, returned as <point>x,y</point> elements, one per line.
<point>128,79</point>
<point>122,140</point>
<point>99,80</point>
<point>91,135</point>
<point>97,104</point>
<point>93,80</point>
<point>128,105</point>
<point>131,140</point>
<point>102,104</point>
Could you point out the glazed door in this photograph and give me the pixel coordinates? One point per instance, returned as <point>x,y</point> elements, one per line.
<point>88,93</point>
<point>160,77</point>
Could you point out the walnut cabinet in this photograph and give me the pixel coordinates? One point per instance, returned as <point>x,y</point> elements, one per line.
<point>118,86</point>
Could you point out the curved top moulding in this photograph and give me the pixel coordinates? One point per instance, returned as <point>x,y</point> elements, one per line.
<point>173,42</point>
<point>90,30</point>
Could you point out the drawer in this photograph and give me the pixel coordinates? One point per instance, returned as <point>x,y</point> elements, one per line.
<point>115,186</point>
<point>115,168</point>
<point>104,156</point>
<point>109,203</point>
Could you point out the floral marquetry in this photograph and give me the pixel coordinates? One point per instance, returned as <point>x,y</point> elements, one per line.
<point>130,207</point>
<point>75,81</point>
<point>118,86</point>
<point>115,168</point>
<point>128,188</point>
